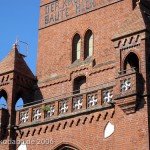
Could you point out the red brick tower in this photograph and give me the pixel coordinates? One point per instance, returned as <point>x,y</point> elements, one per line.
<point>93,78</point>
<point>16,81</point>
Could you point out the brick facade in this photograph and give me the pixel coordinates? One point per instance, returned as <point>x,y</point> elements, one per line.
<point>110,108</point>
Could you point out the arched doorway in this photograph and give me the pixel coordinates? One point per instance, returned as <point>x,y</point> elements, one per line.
<point>131,62</point>
<point>66,147</point>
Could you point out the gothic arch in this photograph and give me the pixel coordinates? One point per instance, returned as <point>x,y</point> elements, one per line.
<point>88,43</point>
<point>88,29</point>
<point>131,61</point>
<point>67,146</point>
<point>3,94</point>
<point>76,47</point>
<point>25,94</point>
<point>77,32</point>
<point>20,99</point>
<point>19,103</point>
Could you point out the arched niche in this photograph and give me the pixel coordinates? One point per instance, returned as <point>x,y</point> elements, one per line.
<point>3,99</point>
<point>131,62</point>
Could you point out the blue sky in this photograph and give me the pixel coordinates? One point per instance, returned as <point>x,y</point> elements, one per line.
<point>20,18</point>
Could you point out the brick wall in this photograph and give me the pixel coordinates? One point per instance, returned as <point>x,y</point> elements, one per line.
<point>118,30</point>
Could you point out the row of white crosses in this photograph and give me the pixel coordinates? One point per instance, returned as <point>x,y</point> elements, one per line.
<point>92,101</point>
<point>36,115</point>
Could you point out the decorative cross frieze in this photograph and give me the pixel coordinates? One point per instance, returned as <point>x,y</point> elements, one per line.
<point>63,108</point>
<point>107,96</point>
<point>51,111</point>
<point>36,114</point>
<point>92,100</point>
<point>24,117</point>
<point>125,85</point>
<point>77,103</point>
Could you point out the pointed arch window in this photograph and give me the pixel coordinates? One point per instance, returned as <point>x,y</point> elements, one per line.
<point>19,104</point>
<point>76,47</point>
<point>3,103</point>
<point>88,44</point>
<point>131,62</point>
<point>3,99</point>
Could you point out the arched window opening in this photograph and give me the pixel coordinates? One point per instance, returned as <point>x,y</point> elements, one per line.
<point>66,147</point>
<point>19,104</point>
<point>79,84</point>
<point>3,99</point>
<point>88,44</point>
<point>76,47</point>
<point>3,103</point>
<point>131,62</point>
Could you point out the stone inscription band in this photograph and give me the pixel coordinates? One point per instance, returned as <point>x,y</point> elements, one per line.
<point>62,10</point>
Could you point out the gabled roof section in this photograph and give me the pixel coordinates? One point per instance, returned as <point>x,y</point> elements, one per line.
<point>14,61</point>
<point>137,21</point>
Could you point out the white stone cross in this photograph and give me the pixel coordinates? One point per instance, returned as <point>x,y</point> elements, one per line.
<point>64,108</point>
<point>37,115</point>
<point>51,111</point>
<point>78,105</point>
<point>126,85</point>
<point>25,117</point>
<point>93,100</point>
<point>108,97</point>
